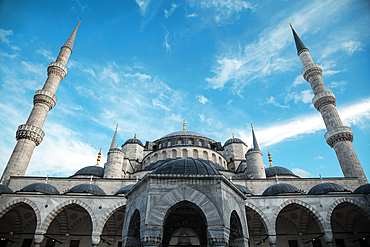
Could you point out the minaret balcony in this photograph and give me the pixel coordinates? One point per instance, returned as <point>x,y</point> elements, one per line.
<point>342,133</point>
<point>311,70</point>
<point>45,97</point>
<point>323,99</point>
<point>30,132</point>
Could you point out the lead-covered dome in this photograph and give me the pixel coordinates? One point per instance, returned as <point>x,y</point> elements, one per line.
<point>125,189</point>
<point>87,188</point>
<point>233,140</point>
<point>363,189</point>
<point>42,188</point>
<point>324,188</point>
<point>186,166</point>
<point>133,141</point>
<point>90,170</point>
<point>183,133</point>
<point>5,190</point>
<point>280,188</point>
<point>243,189</point>
<point>278,170</point>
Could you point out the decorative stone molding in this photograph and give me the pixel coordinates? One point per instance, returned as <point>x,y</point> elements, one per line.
<point>311,70</point>
<point>338,135</point>
<point>151,241</point>
<point>45,97</point>
<point>30,132</point>
<point>323,99</point>
<point>217,242</point>
<point>57,68</point>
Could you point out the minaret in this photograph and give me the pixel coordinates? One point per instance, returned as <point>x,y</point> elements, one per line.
<point>113,167</point>
<point>255,167</point>
<point>30,135</point>
<point>338,136</point>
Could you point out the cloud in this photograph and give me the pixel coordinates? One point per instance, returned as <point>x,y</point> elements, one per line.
<point>319,158</point>
<point>338,85</point>
<point>192,15</point>
<point>4,38</point>
<point>304,96</point>
<point>351,46</point>
<point>272,101</point>
<point>202,99</point>
<point>165,44</point>
<point>156,103</point>
<point>354,114</point>
<point>47,54</point>
<point>202,117</point>
<point>300,172</point>
<point>168,13</point>
<point>143,4</point>
<point>5,54</point>
<point>298,80</point>
<point>37,69</point>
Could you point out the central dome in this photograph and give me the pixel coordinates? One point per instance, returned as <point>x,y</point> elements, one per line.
<point>184,133</point>
<point>186,166</point>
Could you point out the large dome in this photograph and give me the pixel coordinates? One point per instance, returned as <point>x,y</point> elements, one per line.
<point>280,188</point>
<point>324,188</point>
<point>42,188</point>
<point>186,166</point>
<point>184,133</point>
<point>278,170</point>
<point>91,170</point>
<point>87,188</point>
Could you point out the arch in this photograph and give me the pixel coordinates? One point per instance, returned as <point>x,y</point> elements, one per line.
<point>107,215</point>
<point>184,153</point>
<point>214,158</point>
<point>169,143</point>
<point>174,154</point>
<point>236,229</point>
<point>265,221</point>
<point>163,155</point>
<point>5,208</point>
<point>155,158</point>
<point>201,143</point>
<point>205,155</point>
<point>49,218</point>
<point>363,210</point>
<point>195,154</point>
<point>134,225</point>
<point>185,193</point>
<point>191,141</point>
<point>219,161</point>
<point>315,214</point>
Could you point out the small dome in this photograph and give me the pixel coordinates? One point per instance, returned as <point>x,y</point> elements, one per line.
<point>278,170</point>
<point>243,189</point>
<point>87,188</point>
<point>183,133</point>
<point>125,189</point>
<point>133,141</point>
<point>42,188</point>
<point>252,149</point>
<point>233,140</point>
<point>91,170</point>
<point>186,166</point>
<point>5,190</point>
<point>363,189</point>
<point>279,189</point>
<point>324,188</point>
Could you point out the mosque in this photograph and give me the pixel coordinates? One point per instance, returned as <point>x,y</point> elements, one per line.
<point>184,189</point>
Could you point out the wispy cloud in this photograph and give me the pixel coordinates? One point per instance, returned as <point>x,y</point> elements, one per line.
<point>165,44</point>
<point>351,46</point>
<point>298,80</point>
<point>202,117</point>
<point>4,37</point>
<point>81,6</point>
<point>273,101</point>
<point>168,13</point>
<point>202,99</point>
<point>37,69</point>
<point>304,96</point>
<point>319,158</point>
<point>143,4</point>
<point>47,54</point>
<point>5,54</point>
<point>300,172</point>
<point>340,85</point>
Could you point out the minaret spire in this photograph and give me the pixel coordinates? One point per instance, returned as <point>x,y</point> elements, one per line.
<point>338,136</point>
<point>255,143</point>
<point>30,135</point>
<point>114,141</point>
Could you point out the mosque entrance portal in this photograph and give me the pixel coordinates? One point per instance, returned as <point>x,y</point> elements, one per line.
<point>185,225</point>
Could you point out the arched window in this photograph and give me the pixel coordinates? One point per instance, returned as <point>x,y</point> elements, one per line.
<point>174,154</point>
<point>184,153</point>
<point>195,154</point>
<point>155,158</point>
<point>219,161</point>
<point>214,158</point>
<point>164,155</point>
<point>169,144</point>
<point>205,155</point>
<point>191,141</point>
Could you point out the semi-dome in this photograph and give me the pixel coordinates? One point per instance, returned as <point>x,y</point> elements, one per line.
<point>278,170</point>
<point>183,133</point>
<point>124,190</point>
<point>233,140</point>
<point>5,190</point>
<point>324,188</point>
<point>133,141</point>
<point>280,188</point>
<point>42,188</point>
<point>87,188</point>
<point>243,189</point>
<point>91,170</point>
<point>186,166</point>
<point>363,189</point>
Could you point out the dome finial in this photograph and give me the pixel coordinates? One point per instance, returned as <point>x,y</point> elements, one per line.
<point>276,178</point>
<point>117,126</point>
<point>270,160</point>
<point>46,179</point>
<point>291,26</point>
<point>135,136</point>
<point>320,178</point>
<point>184,125</point>
<point>251,125</point>
<point>79,22</point>
<point>233,135</point>
<point>99,156</point>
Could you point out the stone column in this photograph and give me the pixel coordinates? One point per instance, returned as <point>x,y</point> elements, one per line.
<point>95,239</point>
<point>218,236</point>
<point>272,240</point>
<point>329,238</point>
<point>37,239</point>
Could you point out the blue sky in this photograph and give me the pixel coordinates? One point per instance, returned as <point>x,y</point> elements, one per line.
<point>220,64</point>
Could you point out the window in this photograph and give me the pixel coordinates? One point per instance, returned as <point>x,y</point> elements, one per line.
<point>316,243</point>
<point>50,243</point>
<point>74,243</point>
<point>339,243</point>
<point>27,242</point>
<point>293,243</point>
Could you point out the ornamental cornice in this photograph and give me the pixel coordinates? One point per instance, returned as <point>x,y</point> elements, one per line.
<point>340,134</point>
<point>45,97</point>
<point>30,132</point>
<point>57,69</point>
<point>323,99</point>
<point>217,242</point>
<point>151,241</point>
<point>311,70</point>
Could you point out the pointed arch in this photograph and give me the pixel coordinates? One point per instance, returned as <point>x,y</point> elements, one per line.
<point>361,208</point>
<point>8,206</point>
<point>315,214</point>
<point>265,221</point>
<point>49,218</point>
<point>107,215</point>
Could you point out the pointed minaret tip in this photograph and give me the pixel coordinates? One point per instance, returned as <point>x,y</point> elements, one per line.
<point>291,26</point>
<point>71,40</point>
<point>255,143</point>
<point>298,42</point>
<point>114,140</point>
<point>79,23</point>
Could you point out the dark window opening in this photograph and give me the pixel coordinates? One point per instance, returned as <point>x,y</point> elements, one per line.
<point>74,243</point>
<point>27,242</point>
<point>293,243</point>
